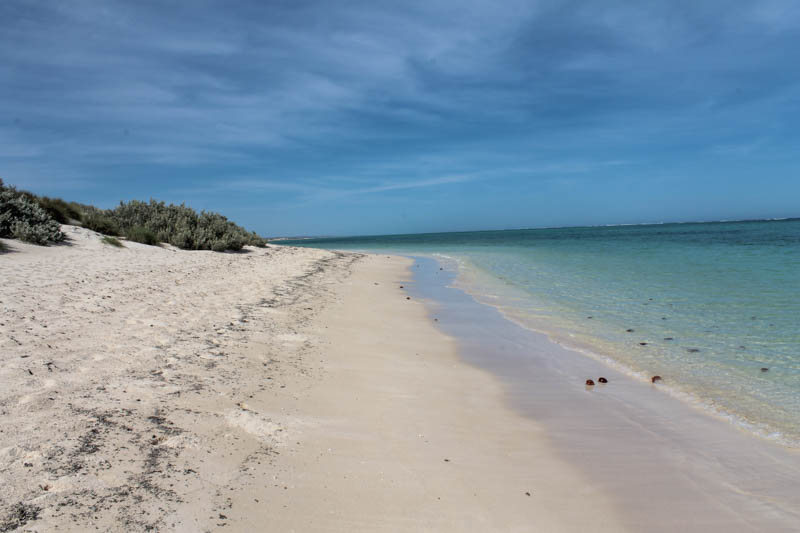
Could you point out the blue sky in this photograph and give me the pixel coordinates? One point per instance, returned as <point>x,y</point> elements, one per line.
<point>299,117</point>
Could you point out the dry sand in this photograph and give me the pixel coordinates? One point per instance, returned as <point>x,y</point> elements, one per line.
<point>279,389</point>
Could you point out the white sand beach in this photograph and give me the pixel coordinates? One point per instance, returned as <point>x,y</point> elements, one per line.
<point>279,389</point>
<point>288,389</point>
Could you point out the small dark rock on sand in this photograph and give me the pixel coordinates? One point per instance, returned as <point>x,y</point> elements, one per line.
<point>602,380</point>
<point>589,382</point>
<point>655,378</point>
<point>408,297</point>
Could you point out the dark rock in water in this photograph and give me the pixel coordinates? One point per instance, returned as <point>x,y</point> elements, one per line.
<point>602,380</point>
<point>765,369</point>
<point>589,382</point>
<point>589,317</point>
<point>401,286</point>
<point>692,350</point>
<point>655,378</point>
<point>642,344</point>
<point>663,318</point>
<point>743,347</point>
<point>629,330</point>
<point>668,338</point>
<point>436,320</point>
<point>440,268</point>
<point>408,297</point>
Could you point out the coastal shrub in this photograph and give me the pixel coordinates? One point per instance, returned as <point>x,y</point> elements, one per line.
<point>183,227</point>
<point>61,211</point>
<point>142,235</point>
<point>22,218</point>
<point>147,222</point>
<point>97,221</point>
<point>112,241</point>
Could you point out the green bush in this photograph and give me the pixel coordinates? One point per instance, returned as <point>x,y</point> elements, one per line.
<point>36,219</point>
<point>61,211</point>
<point>22,218</point>
<point>112,241</point>
<point>183,227</point>
<point>142,235</point>
<point>97,221</point>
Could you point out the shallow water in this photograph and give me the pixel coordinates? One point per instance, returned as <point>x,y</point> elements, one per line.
<point>667,466</point>
<point>713,303</point>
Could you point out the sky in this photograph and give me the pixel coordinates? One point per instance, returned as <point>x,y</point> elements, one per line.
<point>347,118</point>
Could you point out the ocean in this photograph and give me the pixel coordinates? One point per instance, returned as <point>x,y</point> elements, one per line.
<point>713,308</point>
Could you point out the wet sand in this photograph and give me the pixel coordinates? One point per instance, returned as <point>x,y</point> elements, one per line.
<point>666,465</point>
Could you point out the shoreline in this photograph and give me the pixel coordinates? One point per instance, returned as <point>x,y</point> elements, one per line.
<point>586,348</point>
<point>636,429</point>
<point>296,389</point>
<point>279,389</point>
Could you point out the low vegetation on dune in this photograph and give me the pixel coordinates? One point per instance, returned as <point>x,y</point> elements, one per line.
<point>112,241</point>
<point>36,219</point>
<point>181,226</point>
<point>21,217</point>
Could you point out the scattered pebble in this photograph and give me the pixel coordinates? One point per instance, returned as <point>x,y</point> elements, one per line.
<point>589,382</point>
<point>602,380</point>
<point>655,378</point>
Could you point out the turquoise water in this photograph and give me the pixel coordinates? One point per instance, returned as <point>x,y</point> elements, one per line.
<point>714,303</point>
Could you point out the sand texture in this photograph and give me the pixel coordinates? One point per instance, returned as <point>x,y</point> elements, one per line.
<point>279,389</point>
